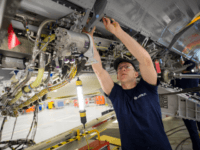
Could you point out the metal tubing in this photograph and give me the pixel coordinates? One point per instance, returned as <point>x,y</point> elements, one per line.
<point>41,61</point>
<point>187,76</point>
<point>45,91</point>
<point>22,83</point>
<point>40,30</point>
<point>48,77</point>
<point>27,17</point>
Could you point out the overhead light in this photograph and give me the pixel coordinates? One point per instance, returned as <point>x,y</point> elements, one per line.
<point>55,90</point>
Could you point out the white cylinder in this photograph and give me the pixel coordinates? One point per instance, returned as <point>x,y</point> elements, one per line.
<point>81,100</point>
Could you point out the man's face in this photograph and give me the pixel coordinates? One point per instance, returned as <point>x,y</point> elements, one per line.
<point>126,72</point>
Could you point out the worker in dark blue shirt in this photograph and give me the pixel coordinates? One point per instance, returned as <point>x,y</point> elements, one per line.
<point>136,104</point>
<point>190,124</point>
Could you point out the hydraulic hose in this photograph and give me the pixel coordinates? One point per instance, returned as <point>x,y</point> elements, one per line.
<point>48,77</point>
<point>22,83</point>
<point>38,80</point>
<point>35,84</point>
<point>49,38</point>
<point>72,74</point>
<point>40,30</point>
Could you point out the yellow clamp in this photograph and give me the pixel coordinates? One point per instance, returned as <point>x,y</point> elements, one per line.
<point>78,135</point>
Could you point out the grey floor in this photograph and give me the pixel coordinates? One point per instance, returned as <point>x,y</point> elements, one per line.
<point>176,138</point>
<point>50,122</point>
<point>55,121</point>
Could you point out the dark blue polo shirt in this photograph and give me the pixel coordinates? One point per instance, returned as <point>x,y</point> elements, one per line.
<point>139,117</point>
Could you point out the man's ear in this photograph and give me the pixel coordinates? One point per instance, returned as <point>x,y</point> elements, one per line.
<point>136,74</point>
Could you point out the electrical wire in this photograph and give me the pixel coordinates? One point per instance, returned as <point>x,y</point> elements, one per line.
<point>33,124</point>
<point>14,128</point>
<point>86,140</point>
<point>174,129</point>
<point>4,120</point>
<point>18,146</point>
<point>181,143</point>
<point>36,123</point>
<point>176,132</point>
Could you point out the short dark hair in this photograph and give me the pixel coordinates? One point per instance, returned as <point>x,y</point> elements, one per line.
<point>120,60</point>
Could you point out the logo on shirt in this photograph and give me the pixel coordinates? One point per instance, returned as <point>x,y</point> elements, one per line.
<point>141,95</point>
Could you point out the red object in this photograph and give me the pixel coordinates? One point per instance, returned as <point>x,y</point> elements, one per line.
<point>157,66</point>
<point>97,145</point>
<point>86,101</point>
<point>99,124</point>
<point>12,38</point>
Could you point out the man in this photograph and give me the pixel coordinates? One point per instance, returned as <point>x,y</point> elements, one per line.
<point>136,105</point>
<point>190,124</point>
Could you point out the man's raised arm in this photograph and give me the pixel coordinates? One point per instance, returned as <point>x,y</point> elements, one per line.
<point>145,63</point>
<point>102,75</point>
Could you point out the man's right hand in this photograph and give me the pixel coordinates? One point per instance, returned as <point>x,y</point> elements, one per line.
<point>114,27</point>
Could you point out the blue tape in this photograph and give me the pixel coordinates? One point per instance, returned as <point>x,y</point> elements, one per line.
<point>161,61</point>
<point>30,69</point>
<point>16,72</point>
<point>30,87</point>
<point>81,55</point>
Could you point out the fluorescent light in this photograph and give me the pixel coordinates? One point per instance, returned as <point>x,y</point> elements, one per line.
<point>55,91</point>
<point>80,98</point>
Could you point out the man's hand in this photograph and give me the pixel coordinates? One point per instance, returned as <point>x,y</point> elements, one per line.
<point>113,27</point>
<point>91,32</point>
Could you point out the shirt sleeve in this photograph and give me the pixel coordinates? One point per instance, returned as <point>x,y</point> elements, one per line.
<point>150,87</point>
<point>113,92</point>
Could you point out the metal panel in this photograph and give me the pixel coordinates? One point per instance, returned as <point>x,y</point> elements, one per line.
<point>46,8</point>
<point>188,42</point>
<point>84,3</point>
<point>179,105</point>
<point>160,20</point>
<point>151,17</point>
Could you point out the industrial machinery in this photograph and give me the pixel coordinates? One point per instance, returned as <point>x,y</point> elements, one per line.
<point>42,48</point>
